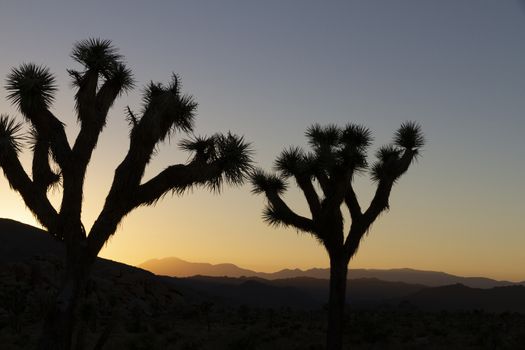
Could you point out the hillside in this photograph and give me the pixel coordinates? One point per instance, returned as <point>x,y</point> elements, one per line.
<point>139,310</point>
<point>30,252</point>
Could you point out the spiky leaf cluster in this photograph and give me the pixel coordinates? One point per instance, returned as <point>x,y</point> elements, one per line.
<point>229,152</point>
<point>323,137</point>
<point>10,138</point>
<point>386,164</point>
<point>408,138</point>
<point>336,149</point>
<point>292,162</point>
<point>30,87</point>
<point>97,55</point>
<point>100,59</point>
<point>234,157</point>
<point>166,109</point>
<point>273,217</point>
<point>263,182</point>
<point>122,77</point>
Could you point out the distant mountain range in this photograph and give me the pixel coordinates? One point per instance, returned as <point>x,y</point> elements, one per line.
<point>176,267</point>
<point>32,252</point>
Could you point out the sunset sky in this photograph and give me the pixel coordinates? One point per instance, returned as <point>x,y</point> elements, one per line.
<point>268,70</point>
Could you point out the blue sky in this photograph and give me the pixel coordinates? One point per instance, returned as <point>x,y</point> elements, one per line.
<point>268,70</point>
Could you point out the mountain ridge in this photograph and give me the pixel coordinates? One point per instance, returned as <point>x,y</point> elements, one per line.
<point>183,268</point>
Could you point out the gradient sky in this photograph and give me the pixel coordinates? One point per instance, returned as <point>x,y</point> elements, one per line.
<point>269,69</point>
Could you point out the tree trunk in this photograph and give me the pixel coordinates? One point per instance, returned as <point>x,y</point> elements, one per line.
<point>336,303</point>
<point>57,332</point>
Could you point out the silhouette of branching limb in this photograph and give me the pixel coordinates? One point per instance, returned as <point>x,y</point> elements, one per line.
<point>293,162</point>
<point>34,198</point>
<point>387,171</point>
<point>352,203</point>
<point>311,196</point>
<point>393,162</point>
<point>93,111</point>
<point>278,213</point>
<point>102,67</point>
<point>53,130</point>
<point>263,182</point>
<point>177,178</point>
<point>43,175</point>
<point>104,226</point>
<point>339,187</point>
<point>351,244</point>
<point>219,159</point>
<point>324,182</point>
<point>287,218</point>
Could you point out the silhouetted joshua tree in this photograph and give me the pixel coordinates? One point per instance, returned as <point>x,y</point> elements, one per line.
<point>325,177</point>
<point>102,78</point>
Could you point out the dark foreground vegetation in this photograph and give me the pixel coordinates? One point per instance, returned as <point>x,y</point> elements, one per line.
<point>209,326</point>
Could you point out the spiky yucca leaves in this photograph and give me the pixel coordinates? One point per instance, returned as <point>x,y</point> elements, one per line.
<point>103,69</point>
<point>356,136</point>
<point>292,162</point>
<point>96,54</point>
<point>229,152</point>
<point>323,137</point>
<point>274,217</point>
<point>234,158</point>
<point>409,136</point>
<point>393,160</point>
<point>166,109</point>
<point>263,182</point>
<point>386,164</point>
<point>122,77</point>
<point>335,149</point>
<point>10,138</point>
<point>203,147</point>
<point>30,87</point>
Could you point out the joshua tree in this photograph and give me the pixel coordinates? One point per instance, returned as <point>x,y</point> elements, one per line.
<point>103,77</point>
<point>325,177</point>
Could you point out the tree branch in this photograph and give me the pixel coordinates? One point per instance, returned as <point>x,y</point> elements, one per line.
<point>34,197</point>
<point>121,199</point>
<point>43,176</point>
<point>305,184</point>
<point>288,216</point>
<point>176,178</point>
<point>339,184</point>
<point>324,182</point>
<point>52,129</point>
<point>379,203</point>
<point>352,203</point>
